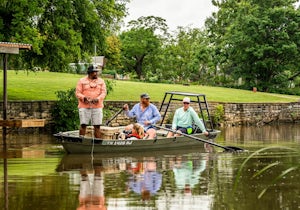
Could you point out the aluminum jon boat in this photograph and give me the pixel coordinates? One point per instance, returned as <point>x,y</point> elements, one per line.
<point>74,144</point>
<point>109,141</point>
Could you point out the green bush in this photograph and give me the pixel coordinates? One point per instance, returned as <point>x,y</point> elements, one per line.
<point>109,85</point>
<point>65,111</point>
<point>218,115</point>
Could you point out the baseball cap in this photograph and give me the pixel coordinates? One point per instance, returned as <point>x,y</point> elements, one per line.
<point>187,100</point>
<point>145,95</point>
<point>91,69</point>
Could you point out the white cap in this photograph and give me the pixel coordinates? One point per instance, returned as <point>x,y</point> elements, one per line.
<point>187,100</point>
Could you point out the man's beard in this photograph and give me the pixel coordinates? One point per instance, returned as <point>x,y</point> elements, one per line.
<point>146,103</point>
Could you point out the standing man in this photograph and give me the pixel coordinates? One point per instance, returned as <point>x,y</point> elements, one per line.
<point>146,114</point>
<point>90,91</point>
<point>183,119</point>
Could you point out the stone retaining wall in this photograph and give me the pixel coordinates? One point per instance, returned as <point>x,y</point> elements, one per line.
<point>28,110</point>
<point>261,113</point>
<point>234,113</point>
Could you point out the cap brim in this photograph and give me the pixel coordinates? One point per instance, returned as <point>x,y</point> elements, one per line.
<point>145,95</point>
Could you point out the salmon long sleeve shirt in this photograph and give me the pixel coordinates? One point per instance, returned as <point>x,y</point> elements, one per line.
<point>94,89</point>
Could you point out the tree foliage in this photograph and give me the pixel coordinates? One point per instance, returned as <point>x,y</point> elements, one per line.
<point>113,52</point>
<point>181,55</point>
<point>141,41</point>
<point>136,45</point>
<point>61,31</point>
<point>256,40</point>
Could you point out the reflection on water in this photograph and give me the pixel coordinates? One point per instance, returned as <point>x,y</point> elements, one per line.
<point>38,176</point>
<point>145,181</point>
<point>144,178</point>
<point>276,134</point>
<point>91,193</point>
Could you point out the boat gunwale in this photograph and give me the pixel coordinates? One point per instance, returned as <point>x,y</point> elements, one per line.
<point>69,134</point>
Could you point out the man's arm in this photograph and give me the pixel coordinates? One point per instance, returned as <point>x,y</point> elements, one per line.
<point>197,121</point>
<point>103,91</point>
<point>132,112</point>
<point>174,122</point>
<point>156,115</point>
<point>78,91</point>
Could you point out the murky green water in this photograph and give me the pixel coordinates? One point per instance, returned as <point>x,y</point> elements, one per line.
<point>38,176</point>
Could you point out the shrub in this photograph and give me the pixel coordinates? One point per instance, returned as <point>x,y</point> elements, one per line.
<point>65,111</point>
<point>218,115</point>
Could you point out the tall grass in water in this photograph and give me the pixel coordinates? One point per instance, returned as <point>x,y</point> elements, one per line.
<point>262,171</point>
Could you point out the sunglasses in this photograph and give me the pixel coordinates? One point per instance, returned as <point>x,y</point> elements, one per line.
<point>186,103</point>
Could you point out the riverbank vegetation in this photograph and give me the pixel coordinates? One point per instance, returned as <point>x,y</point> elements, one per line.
<point>244,44</point>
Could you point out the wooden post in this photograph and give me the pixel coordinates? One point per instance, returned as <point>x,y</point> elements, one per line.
<point>4,99</point>
<point>4,131</point>
<point>4,86</point>
<point>7,48</point>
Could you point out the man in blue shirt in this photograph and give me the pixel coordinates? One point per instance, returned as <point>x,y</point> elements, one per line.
<point>145,113</point>
<point>146,182</point>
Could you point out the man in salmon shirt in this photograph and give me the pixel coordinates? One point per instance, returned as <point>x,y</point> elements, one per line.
<point>90,91</point>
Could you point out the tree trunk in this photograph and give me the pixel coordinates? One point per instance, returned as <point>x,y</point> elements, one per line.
<point>139,65</point>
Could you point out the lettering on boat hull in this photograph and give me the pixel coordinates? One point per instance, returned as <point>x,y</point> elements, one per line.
<point>117,142</point>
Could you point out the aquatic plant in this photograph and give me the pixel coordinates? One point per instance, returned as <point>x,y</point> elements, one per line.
<point>268,167</point>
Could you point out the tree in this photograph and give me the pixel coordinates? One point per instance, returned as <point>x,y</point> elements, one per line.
<point>62,44</point>
<point>113,52</point>
<point>18,23</point>
<point>61,31</point>
<point>156,24</point>
<point>257,40</point>
<point>181,55</point>
<point>136,44</point>
<point>141,41</point>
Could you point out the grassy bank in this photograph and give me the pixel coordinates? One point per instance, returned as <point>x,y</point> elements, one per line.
<point>43,85</point>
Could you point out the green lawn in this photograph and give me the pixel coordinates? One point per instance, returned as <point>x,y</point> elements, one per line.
<point>43,85</point>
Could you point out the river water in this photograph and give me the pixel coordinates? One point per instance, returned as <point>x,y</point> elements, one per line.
<point>38,175</point>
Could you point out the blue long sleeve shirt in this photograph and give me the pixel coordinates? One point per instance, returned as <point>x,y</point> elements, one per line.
<point>150,114</point>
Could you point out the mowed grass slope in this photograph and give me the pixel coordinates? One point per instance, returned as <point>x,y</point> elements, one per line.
<point>23,85</point>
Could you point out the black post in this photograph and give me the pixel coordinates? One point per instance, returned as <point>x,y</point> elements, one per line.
<point>4,86</point>
<point>4,132</point>
<point>5,177</point>
<point>4,98</point>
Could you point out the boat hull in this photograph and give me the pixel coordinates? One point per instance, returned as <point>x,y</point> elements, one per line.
<point>75,145</point>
